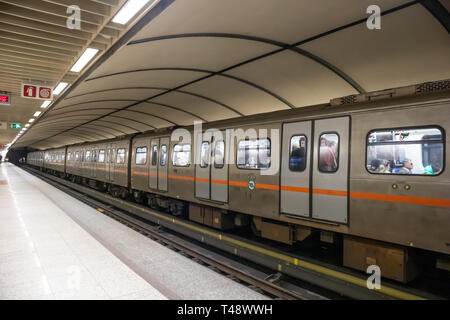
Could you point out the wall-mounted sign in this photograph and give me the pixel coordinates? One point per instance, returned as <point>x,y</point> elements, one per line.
<point>36,91</point>
<point>16,126</point>
<point>5,99</point>
<point>3,125</point>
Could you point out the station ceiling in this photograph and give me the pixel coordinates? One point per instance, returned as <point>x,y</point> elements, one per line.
<point>37,46</point>
<point>211,60</point>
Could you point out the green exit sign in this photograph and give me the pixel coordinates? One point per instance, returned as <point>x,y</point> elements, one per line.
<point>16,126</point>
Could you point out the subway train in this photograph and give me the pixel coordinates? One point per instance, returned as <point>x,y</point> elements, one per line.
<point>364,172</point>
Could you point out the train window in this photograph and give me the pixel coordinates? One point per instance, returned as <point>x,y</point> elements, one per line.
<point>328,152</point>
<point>141,155</point>
<point>204,155</point>
<point>298,154</point>
<point>163,156</point>
<point>77,156</point>
<point>154,155</point>
<point>181,156</point>
<point>63,156</point>
<point>120,155</point>
<point>253,154</point>
<point>101,156</point>
<point>413,151</point>
<point>88,156</point>
<point>69,156</point>
<point>219,152</point>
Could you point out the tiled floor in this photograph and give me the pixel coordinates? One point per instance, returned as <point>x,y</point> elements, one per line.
<point>44,254</point>
<point>55,247</point>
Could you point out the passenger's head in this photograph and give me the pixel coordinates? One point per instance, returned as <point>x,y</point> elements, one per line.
<point>407,163</point>
<point>374,164</point>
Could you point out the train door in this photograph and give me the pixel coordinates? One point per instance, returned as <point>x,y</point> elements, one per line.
<point>111,152</point>
<point>219,169</point>
<point>107,162</point>
<point>330,169</point>
<point>163,163</point>
<point>295,168</point>
<point>202,153</point>
<point>211,169</point>
<point>153,167</point>
<point>94,163</point>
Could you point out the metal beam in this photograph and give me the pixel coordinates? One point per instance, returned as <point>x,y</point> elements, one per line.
<point>439,12</point>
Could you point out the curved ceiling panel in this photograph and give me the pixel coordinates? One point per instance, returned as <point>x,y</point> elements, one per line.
<point>112,94</point>
<point>243,97</point>
<point>207,110</point>
<point>287,21</point>
<point>174,114</point>
<point>397,55</point>
<point>201,53</point>
<point>300,80</point>
<point>68,113</point>
<point>126,127</point>
<point>144,117</point>
<point>152,78</point>
<point>112,104</point>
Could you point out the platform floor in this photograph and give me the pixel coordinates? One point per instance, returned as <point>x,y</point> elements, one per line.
<point>53,246</point>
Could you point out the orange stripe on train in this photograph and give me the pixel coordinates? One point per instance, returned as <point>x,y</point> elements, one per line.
<point>340,193</point>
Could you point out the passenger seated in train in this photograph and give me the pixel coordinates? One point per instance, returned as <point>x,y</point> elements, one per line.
<point>406,169</point>
<point>380,166</point>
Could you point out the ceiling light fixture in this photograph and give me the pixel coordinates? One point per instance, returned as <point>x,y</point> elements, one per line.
<point>129,10</point>
<point>46,104</point>
<point>36,114</point>
<point>87,56</point>
<point>60,87</point>
<point>31,120</point>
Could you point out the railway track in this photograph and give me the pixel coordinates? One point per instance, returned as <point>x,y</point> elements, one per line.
<point>213,249</point>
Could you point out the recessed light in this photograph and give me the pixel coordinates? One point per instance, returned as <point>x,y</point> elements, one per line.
<point>84,59</point>
<point>45,104</point>
<point>60,87</point>
<point>129,10</point>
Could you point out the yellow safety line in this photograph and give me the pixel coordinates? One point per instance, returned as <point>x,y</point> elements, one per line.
<point>288,259</point>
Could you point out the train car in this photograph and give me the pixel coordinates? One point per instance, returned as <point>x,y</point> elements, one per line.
<point>36,159</point>
<point>55,161</point>
<point>370,175</point>
<point>102,165</point>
